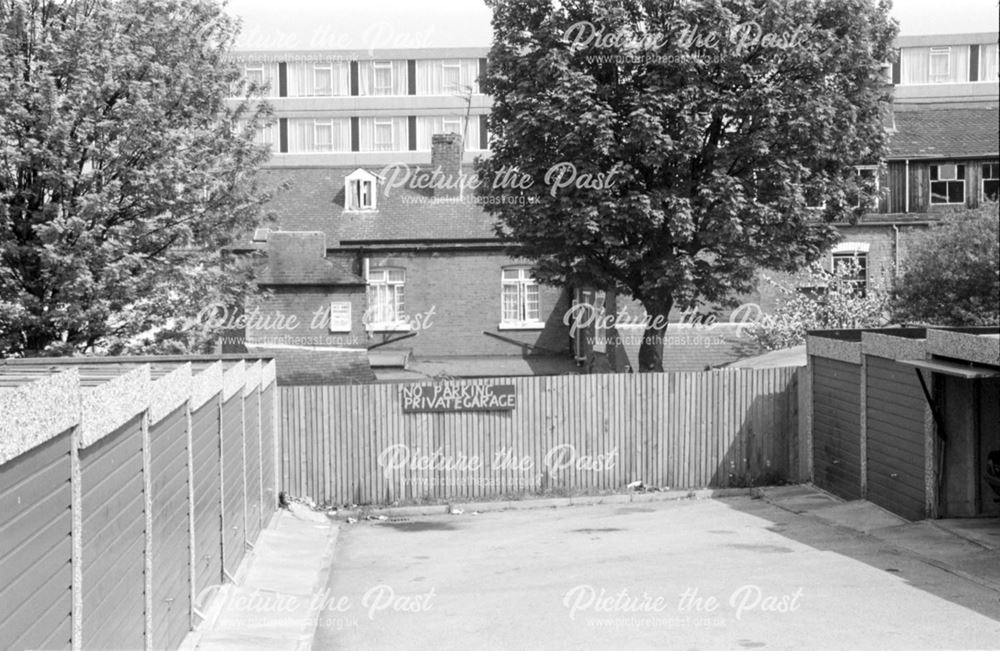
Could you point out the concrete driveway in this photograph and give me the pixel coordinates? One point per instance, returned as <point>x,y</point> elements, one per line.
<point>713,574</point>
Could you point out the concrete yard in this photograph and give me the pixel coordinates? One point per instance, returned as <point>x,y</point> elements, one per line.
<point>694,574</point>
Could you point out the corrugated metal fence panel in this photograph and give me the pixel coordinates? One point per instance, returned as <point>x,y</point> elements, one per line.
<point>206,466</point>
<point>895,420</point>
<point>114,540</point>
<point>251,440</point>
<point>233,498</point>
<point>837,427</point>
<point>353,444</point>
<point>267,440</point>
<point>171,546</point>
<point>36,548</point>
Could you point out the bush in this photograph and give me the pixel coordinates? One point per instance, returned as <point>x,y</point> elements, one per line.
<point>951,275</point>
<point>824,301</point>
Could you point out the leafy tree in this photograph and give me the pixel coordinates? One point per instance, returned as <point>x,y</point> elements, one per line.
<point>951,273</point>
<point>669,149</point>
<point>820,300</point>
<point>124,171</point>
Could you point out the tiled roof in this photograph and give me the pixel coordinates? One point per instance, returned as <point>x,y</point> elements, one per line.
<point>299,258</point>
<point>306,365</point>
<point>945,133</point>
<point>319,272</point>
<point>313,200</point>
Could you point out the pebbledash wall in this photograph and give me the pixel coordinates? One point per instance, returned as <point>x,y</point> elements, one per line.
<point>128,491</point>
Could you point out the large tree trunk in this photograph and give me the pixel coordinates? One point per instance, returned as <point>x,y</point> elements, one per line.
<point>651,350</point>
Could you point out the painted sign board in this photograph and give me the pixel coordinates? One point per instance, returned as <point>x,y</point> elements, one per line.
<point>458,397</point>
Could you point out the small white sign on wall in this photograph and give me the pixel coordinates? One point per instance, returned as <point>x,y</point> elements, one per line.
<point>340,316</point>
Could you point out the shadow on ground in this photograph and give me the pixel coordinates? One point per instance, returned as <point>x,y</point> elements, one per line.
<point>916,552</point>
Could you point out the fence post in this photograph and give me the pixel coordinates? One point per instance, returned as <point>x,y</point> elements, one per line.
<point>192,552</point>
<point>147,510</point>
<point>76,488</point>
<point>220,401</point>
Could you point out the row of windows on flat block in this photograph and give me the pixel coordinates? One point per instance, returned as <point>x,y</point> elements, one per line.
<point>950,64</point>
<point>948,184</point>
<point>387,304</point>
<point>428,77</point>
<point>338,78</point>
<point>369,134</point>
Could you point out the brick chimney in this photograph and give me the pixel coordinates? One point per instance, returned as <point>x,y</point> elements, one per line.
<point>446,156</point>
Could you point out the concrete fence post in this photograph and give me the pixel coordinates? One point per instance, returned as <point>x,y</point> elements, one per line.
<point>223,520</point>
<point>147,510</point>
<point>192,551</point>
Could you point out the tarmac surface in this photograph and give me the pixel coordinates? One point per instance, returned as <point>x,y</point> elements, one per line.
<point>789,568</point>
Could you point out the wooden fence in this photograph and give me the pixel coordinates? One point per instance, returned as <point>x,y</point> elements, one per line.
<point>112,503</point>
<point>353,444</point>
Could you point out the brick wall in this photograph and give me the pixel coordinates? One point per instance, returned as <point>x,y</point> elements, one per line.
<point>446,155</point>
<point>463,290</point>
<point>310,306</point>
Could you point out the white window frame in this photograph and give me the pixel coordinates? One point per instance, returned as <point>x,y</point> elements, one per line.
<point>327,70</point>
<point>395,290</point>
<point>262,135</point>
<point>524,283</point>
<point>856,256</point>
<point>355,181</point>
<point>317,125</point>
<point>382,122</point>
<point>247,69</point>
<point>451,65</point>
<point>376,67</point>
<point>952,179</point>
<point>983,178</point>
<point>938,52</point>
<point>446,121</point>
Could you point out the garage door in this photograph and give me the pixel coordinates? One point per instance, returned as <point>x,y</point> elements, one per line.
<point>895,438</point>
<point>837,427</point>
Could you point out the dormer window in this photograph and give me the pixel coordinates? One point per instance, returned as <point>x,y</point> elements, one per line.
<point>359,191</point>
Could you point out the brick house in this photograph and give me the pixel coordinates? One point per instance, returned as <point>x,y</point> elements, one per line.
<point>377,258</point>
<point>368,261</point>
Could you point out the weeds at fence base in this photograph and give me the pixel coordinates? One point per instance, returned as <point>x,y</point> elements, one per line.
<point>362,511</point>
